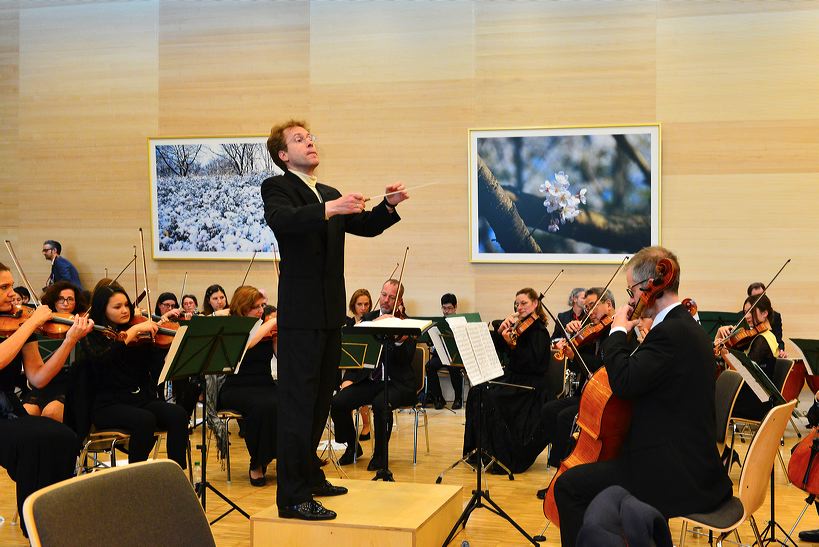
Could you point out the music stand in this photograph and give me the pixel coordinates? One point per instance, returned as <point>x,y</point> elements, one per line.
<point>482,365</point>
<point>385,330</point>
<point>809,354</point>
<point>711,321</point>
<point>209,345</point>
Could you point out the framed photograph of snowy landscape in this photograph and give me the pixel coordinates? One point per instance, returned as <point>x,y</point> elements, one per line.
<point>205,199</point>
<point>564,194</point>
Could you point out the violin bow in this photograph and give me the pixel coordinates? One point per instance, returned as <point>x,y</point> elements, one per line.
<point>144,273</point>
<point>605,289</point>
<point>568,340</point>
<point>735,328</point>
<point>136,282</point>
<point>184,284</point>
<point>400,278</point>
<point>252,258</point>
<point>540,298</point>
<point>22,273</point>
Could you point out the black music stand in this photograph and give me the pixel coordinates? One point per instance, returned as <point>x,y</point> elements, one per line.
<point>208,345</point>
<point>386,332</point>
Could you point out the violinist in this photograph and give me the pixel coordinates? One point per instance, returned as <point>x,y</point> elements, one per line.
<point>449,306</point>
<point>35,451</point>
<point>366,386</point>
<point>510,416</point>
<point>760,345</point>
<point>252,390</point>
<point>167,308</point>
<point>558,415</point>
<point>49,401</point>
<point>21,296</point>
<point>755,289</point>
<point>215,301</point>
<point>361,303</point>
<point>576,312</point>
<point>125,394</point>
<point>189,306</point>
<point>669,457</point>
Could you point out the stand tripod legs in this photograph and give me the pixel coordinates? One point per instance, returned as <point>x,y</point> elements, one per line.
<point>475,502</point>
<point>485,456</point>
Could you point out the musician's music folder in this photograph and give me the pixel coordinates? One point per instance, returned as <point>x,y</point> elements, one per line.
<point>477,350</point>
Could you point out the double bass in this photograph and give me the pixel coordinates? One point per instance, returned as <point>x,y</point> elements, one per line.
<point>603,419</point>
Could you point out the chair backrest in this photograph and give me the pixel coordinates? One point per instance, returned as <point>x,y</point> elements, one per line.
<point>790,376</point>
<point>726,391</point>
<point>555,376</point>
<point>753,482</point>
<point>419,363</point>
<point>147,503</point>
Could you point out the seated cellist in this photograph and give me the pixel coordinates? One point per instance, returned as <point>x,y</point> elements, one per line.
<point>669,457</point>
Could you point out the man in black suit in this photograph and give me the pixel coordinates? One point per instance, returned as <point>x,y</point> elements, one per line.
<point>310,220</point>
<point>367,387</point>
<point>449,306</point>
<point>576,312</point>
<point>669,458</point>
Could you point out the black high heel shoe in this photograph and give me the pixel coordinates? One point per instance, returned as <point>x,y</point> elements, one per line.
<point>261,481</point>
<point>364,437</point>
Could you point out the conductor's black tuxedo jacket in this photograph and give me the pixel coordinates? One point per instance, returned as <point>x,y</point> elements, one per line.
<point>311,284</point>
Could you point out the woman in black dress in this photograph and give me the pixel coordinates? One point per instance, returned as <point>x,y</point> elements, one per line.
<point>511,416</point>
<point>252,390</point>
<point>35,451</point>
<point>125,395</point>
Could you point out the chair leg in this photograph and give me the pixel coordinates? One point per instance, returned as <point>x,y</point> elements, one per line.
<point>755,529</point>
<point>190,462</point>
<point>415,438</point>
<point>355,439</point>
<point>795,428</point>
<point>426,428</point>
<point>156,446</point>
<point>227,454</point>
<point>682,533</point>
<point>781,461</point>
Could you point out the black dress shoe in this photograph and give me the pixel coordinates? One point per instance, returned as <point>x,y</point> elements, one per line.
<point>457,404</point>
<point>309,510</point>
<point>375,464</point>
<point>328,489</point>
<point>809,535</point>
<point>364,437</point>
<point>541,494</point>
<point>348,456</point>
<point>439,403</point>
<point>261,481</point>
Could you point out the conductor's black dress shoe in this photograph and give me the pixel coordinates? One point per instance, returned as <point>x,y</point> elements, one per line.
<point>328,489</point>
<point>809,535</point>
<point>309,510</point>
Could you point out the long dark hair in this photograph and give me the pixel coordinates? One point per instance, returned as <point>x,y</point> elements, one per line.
<point>162,297</point>
<point>99,303</point>
<point>210,291</point>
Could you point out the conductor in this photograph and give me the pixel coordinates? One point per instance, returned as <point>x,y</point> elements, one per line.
<point>309,220</point>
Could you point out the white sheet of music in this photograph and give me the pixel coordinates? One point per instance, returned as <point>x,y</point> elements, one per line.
<point>477,350</point>
<point>439,345</point>
<point>752,382</point>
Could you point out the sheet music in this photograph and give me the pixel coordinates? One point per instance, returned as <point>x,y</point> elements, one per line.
<point>748,376</point>
<point>394,322</point>
<point>169,357</point>
<point>250,336</point>
<point>439,345</point>
<point>477,350</point>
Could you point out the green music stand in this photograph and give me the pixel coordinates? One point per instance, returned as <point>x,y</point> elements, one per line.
<point>713,320</point>
<point>208,345</point>
<point>810,355</point>
<point>359,351</point>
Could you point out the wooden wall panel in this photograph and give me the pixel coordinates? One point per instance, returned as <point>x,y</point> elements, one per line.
<point>392,88</point>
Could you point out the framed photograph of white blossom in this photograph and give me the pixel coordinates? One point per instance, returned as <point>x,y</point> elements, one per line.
<point>205,198</point>
<point>563,194</point>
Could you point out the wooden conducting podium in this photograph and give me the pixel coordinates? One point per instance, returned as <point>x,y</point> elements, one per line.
<point>372,513</point>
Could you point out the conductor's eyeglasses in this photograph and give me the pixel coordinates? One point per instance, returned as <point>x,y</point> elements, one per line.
<point>298,139</point>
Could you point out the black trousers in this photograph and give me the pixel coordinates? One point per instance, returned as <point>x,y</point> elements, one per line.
<point>456,376</point>
<point>576,488</point>
<point>364,393</point>
<point>258,405</point>
<point>36,452</point>
<point>308,368</point>
<point>144,419</point>
<point>558,417</point>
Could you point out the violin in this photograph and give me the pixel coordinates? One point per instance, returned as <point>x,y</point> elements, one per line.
<point>741,339</point>
<point>55,328</point>
<point>589,333</point>
<point>603,419</point>
<point>162,339</point>
<point>514,332</point>
<point>274,332</point>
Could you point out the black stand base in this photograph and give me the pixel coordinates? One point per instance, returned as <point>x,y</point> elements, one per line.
<point>200,491</point>
<point>475,502</point>
<point>773,526</point>
<point>484,456</point>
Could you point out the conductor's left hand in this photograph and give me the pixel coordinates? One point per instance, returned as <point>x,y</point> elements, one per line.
<point>395,199</point>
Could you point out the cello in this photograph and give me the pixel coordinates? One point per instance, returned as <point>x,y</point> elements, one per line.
<point>603,419</point>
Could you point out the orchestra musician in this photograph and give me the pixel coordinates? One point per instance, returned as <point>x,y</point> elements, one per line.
<point>309,220</point>
<point>576,312</point>
<point>35,451</point>
<point>252,390</point>
<point>189,306</point>
<point>669,458</point>
<point>559,414</point>
<point>124,390</point>
<point>361,303</point>
<point>511,415</point>
<point>366,386</point>
<point>755,289</point>
<point>762,349</point>
<point>215,301</point>
<point>449,306</point>
<point>49,401</point>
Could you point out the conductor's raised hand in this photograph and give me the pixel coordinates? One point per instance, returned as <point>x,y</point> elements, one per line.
<point>397,193</point>
<point>348,204</point>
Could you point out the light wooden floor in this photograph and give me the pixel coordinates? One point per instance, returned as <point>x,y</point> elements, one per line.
<point>446,431</point>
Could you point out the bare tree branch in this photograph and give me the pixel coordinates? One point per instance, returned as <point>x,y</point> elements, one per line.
<point>499,211</point>
<point>634,155</point>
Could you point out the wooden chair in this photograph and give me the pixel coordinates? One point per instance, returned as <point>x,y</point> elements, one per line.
<point>753,481</point>
<point>225,416</point>
<point>726,392</point>
<point>146,503</point>
<point>419,363</point>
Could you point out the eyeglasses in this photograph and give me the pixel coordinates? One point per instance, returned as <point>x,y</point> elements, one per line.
<point>298,139</point>
<point>45,250</point>
<point>65,299</point>
<point>630,290</point>
<point>167,304</point>
<point>589,306</point>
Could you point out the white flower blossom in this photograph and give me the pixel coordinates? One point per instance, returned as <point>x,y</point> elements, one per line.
<point>560,202</point>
